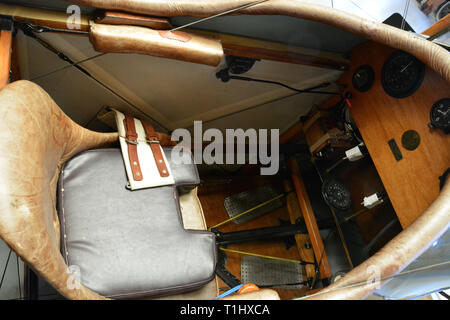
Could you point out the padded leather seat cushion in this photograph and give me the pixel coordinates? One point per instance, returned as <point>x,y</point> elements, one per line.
<point>129,244</point>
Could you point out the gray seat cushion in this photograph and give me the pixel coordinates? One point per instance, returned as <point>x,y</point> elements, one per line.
<point>185,175</point>
<point>129,244</point>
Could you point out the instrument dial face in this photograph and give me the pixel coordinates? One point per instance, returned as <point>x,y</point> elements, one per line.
<point>440,114</point>
<point>363,78</point>
<point>336,194</point>
<point>402,75</point>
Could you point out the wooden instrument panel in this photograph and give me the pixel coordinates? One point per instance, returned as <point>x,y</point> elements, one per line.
<point>412,183</point>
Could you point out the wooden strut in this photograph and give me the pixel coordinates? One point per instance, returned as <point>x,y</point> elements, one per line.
<point>310,219</point>
<point>302,240</point>
<point>232,45</point>
<point>438,26</point>
<point>5,56</point>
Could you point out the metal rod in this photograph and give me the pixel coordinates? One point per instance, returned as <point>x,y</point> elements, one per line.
<point>360,212</point>
<point>336,164</point>
<point>6,267</point>
<point>405,13</point>
<point>260,234</point>
<point>265,257</point>
<point>219,15</point>
<point>364,210</point>
<point>18,277</point>
<point>247,211</point>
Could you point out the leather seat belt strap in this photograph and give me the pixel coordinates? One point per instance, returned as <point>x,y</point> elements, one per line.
<point>131,139</point>
<point>153,141</point>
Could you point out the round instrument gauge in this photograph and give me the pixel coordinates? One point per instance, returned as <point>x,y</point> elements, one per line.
<point>443,10</point>
<point>336,194</point>
<point>402,75</point>
<point>363,78</point>
<point>440,115</point>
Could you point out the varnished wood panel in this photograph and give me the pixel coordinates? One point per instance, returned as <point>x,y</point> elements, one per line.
<point>266,50</point>
<point>41,17</point>
<point>287,57</point>
<point>411,183</point>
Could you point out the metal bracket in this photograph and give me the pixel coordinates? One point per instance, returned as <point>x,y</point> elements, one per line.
<point>222,272</point>
<point>6,23</point>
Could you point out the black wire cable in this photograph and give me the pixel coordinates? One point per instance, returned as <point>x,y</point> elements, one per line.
<point>6,267</point>
<point>310,90</point>
<point>29,31</point>
<point>18,273</point>
<point>225,76</point>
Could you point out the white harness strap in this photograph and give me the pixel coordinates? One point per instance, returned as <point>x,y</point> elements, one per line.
<point>143,151</point>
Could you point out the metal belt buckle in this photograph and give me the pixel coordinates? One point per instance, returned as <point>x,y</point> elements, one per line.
<point>131,141</point>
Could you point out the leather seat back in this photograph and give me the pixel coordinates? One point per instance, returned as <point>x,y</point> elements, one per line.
<point>36,138</point>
